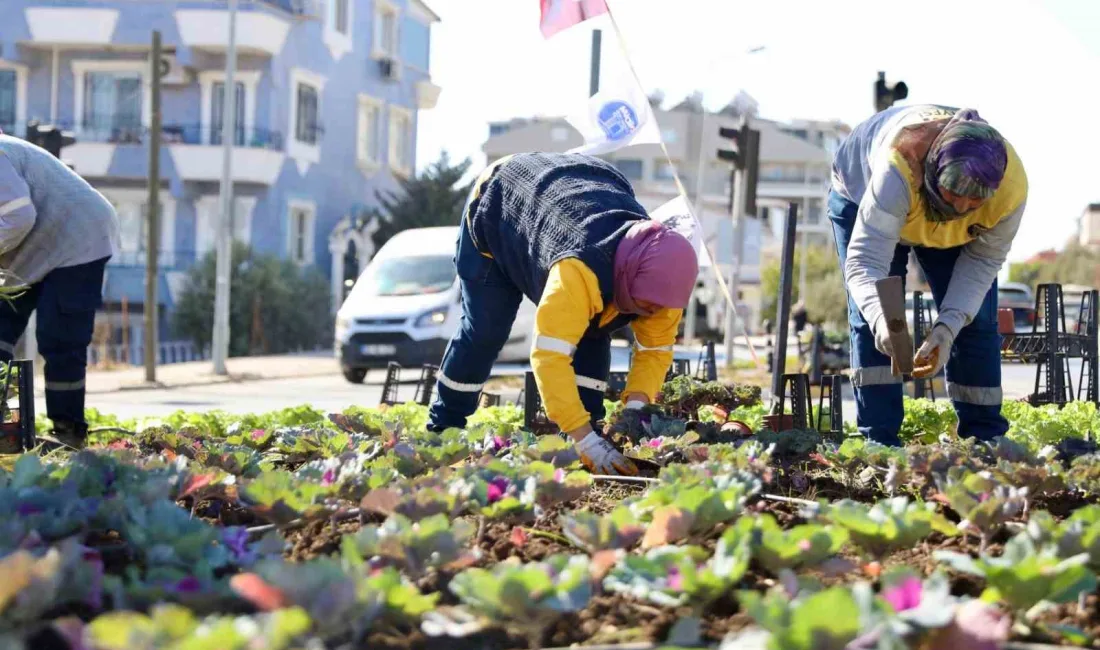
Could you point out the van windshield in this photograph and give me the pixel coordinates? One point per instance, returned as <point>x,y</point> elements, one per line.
<point>408,276</point>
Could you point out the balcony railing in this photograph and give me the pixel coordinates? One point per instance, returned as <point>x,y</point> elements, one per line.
<point>242,137</point>
<point>196,134</point>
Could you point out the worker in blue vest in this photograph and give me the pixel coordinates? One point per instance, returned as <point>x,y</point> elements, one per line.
<point>566,232</point>
<point>56,235</point>
<point>944,183</point>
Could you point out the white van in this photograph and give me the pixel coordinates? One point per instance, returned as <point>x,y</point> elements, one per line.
<point>406,305</point>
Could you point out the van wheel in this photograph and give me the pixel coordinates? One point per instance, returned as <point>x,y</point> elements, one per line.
<point>355,375</point>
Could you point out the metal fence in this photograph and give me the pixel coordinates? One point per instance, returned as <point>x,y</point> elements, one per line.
<point>134,353</point>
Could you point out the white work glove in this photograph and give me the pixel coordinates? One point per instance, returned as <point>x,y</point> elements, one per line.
<point>882,337</point>
<point>601,457</point>
<point>634,404</point>
<point>933,353</point>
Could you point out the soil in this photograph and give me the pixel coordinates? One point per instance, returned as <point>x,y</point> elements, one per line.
<point>615,618</point>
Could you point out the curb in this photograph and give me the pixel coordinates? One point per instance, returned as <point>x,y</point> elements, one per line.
<point>211,380</point>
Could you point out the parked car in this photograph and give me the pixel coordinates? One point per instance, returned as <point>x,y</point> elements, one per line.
<point>406,305</point>
<point>1019,298</point>
<point>1071,298</point>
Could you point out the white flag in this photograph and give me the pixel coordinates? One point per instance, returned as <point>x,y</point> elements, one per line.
<point>677,215</point>
<point>616,117</point>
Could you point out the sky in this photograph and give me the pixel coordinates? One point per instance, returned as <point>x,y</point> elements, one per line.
<point>1030,67</point>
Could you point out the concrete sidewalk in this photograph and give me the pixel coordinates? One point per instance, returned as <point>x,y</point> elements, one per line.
<point>201,373</point>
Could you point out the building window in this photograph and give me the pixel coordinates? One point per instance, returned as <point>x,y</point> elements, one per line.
<point>340,20</point>
<point>401,140</point>
<point>632,168</point>
<point>664,171</point>
<point>113,106</point>
<point>386,30</point>
<point>8,101</point>
<point>133,223</point>
<point>208,211</point>
<point>302,215</point>
<point>369,141</point>
<point>217,107</point>
<point>306,127</point>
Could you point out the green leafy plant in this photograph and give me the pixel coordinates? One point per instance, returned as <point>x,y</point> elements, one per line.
<point>888,525</point>
<point>279,497</point>
<point>175,627</point>
<point>415,547</point>
<point>826,620</point>
<point>681,575</point>
<point>926,421</point>
<point>1025,575</point>
<point>524,597</point>
<point>799,547</point>
<point>618,529</point>
<point>983,502</point>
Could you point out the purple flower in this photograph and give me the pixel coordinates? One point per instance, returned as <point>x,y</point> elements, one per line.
<point>329,477</point>
<point>25,509</point>
<point>904,596</point>
<point>94,599</point>
<point>497,487</point>
<point>235,538</point>
<point>188,585</point>
<point>500,443</point>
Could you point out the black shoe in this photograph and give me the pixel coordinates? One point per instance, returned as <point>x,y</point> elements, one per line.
<point>73,435</point>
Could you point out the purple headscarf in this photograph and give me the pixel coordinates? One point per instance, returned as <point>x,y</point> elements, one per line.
<point>655,264</point>
<point>968,158</point>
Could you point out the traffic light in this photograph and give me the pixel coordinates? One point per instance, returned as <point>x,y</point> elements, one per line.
<point>49,137</point>
<point>745,157</point>
<point>885,96</point>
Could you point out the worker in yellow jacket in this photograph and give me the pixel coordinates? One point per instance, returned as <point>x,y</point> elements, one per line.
<point>566,231</point>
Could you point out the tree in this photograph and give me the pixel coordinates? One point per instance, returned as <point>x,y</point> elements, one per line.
<point>275,306</point>
<point>434,198</point>
<point>826,299</point>
<point>1074,265</point>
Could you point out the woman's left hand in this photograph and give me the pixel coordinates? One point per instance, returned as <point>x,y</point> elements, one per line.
<point>932,356</point>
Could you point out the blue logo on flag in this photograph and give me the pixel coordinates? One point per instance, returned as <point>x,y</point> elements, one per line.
<point>618,120</point>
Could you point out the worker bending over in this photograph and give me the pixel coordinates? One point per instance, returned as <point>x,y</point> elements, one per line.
<point>565,231</point>
<point>946,184</point>
<point>56,234</point>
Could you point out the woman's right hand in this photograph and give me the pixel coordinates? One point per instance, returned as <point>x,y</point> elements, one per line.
<point>599,455</point>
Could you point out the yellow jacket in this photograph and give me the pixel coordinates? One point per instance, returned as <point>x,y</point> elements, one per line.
<point>570,302</point>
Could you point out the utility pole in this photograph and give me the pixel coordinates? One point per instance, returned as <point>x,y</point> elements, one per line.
<point>152,234</point>
<point>594,74</point>
<point>224,244</point>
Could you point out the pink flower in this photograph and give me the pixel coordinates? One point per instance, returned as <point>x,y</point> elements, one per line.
<point>905,595</point>
<point>495,490</point>
<point>258,433</point>
<point>805,546</point>
<point>559,475</point>
<point>977,626</point>
<point>329,477</point>
<point>675,579</point>
<point>500,443</point>
<point>656,442</point>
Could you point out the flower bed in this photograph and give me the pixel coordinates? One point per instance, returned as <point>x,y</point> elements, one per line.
<point>302,529</point>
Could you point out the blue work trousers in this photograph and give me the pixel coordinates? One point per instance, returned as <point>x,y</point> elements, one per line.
<point>489,305</point>
<point>66,301</point>
<point>973,369</point>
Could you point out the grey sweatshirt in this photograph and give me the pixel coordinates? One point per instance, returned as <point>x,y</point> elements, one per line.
<point>50,217</point>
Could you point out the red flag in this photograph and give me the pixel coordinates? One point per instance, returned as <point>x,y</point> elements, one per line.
<point>563,14</point>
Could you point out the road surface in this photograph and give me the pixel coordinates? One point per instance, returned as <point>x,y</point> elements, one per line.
<point>333,393</point>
